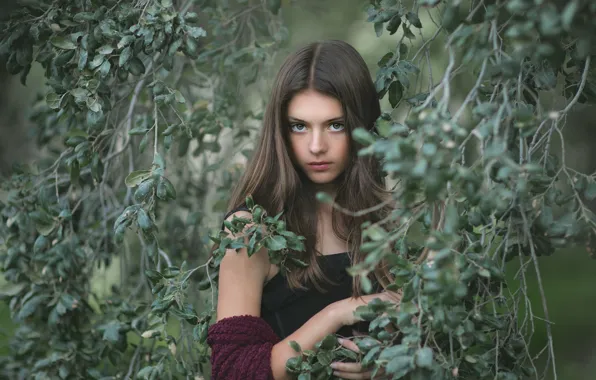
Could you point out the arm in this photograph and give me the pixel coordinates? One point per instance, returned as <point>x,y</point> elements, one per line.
<point>241,280</point>
<point>240,341</point>
<point>315,329</point>
<point>327,321</point>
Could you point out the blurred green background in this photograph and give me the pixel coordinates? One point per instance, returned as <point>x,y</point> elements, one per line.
<point>569,276</point>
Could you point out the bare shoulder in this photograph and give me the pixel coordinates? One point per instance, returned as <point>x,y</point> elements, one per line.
<point>241,279</point>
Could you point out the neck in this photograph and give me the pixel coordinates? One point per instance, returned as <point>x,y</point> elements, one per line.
<point>324,209</point>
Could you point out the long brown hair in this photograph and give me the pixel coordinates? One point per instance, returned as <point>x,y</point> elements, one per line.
<point>336,69</point>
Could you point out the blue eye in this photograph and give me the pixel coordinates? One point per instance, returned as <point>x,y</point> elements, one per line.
<point>292,126</point>
<point>340,126</point>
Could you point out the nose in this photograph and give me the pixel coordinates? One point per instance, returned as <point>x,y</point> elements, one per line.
<point>318,142</point>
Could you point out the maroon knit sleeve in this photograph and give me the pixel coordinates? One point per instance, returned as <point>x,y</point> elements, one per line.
<point>241,348</point>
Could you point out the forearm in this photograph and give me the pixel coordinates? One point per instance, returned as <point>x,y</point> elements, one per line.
<point>314,330</point>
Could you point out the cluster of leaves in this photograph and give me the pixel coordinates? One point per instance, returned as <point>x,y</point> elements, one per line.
<point>264,232</point>
<point>315,363</point>
<point>122,77</point>
<point>473,213</point>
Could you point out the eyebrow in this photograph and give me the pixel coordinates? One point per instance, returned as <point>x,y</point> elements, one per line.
<point>293,119</point>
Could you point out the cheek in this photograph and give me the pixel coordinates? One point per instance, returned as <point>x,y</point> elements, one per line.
<point>294,148</point>
<point>345,148</point>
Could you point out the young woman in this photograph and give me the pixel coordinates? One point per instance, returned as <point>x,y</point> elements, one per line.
<point>322,92</point>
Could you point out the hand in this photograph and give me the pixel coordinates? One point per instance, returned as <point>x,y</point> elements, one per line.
<point>353,370</point>
<point>344,309</point>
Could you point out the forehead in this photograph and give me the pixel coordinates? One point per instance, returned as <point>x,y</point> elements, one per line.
<point>312,106</point>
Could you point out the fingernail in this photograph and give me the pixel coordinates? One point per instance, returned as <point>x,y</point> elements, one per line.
<point>340,341</point>
<point>333,365</point>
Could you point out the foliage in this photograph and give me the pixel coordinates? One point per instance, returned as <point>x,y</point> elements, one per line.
<point>124,75</point>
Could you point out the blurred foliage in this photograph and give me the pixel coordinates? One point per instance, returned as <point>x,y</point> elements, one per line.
<point>165,75</point>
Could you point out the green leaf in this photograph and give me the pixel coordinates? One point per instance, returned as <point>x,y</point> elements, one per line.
<point>393,351</point>
<point>84,17</point>
<point>451,219</point>
<point>550,21</point>
<point>395,93</point>
<point>363,136</point>
<point>324,197</point>
<point>62,43</point>
<point>407,32</point>
<point>97,61</point>
<point>136,66</point>
<point>179,97</point>
<point>569,13</point>
<point>394,24</point>
<point>135,178</point>
<point>329,342</point>
<point>275,243</point>
<point>53,100</point>
<point>145,373</point>
<point>325,358</point>
<point>386,58</point>
<point>399,364</point>
<point>125,41</point>
<point>424,357</point>
<point>30,307</point>
<point>378,28</point>
<point>590,192</point>
<point>11,289</point>
<point>169,188</point>
<point>94,118</point>
<point>83,59</point>
<point>296,261</point>
<point>166,3</point>
<point>45,228</point>
<point>104,70</point>
<point>295,346</point>
<point>483,272</point>
<point>111,332</point>
<point>413,19</point>
<point>144,221</point>
<point>93,104</point>
<point>366,284</point>
<point>273,6</point>
<point>41,243</point>
<point>138,131</point>
<point>124,56</point>
<point>105,49</point>
<point>196,32</point>
<point>80,95</point>
<point>470,359</point>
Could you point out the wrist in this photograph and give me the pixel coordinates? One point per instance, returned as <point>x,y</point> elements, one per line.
<point>336,313</point>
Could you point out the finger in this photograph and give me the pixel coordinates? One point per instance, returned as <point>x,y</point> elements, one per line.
<point>348,375</point>
<point>347,367</point>
<point>349,345</point>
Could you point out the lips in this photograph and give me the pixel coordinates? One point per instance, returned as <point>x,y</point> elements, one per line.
<point>319,166</point>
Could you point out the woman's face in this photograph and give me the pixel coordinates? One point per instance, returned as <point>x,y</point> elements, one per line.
<point>318,135</point>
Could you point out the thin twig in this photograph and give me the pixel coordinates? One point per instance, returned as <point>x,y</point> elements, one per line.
<point>582,84</point>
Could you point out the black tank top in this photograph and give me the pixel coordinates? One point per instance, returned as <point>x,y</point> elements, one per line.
<point>285,310</point>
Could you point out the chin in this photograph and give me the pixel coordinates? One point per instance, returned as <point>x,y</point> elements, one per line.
<point>323,178</point>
